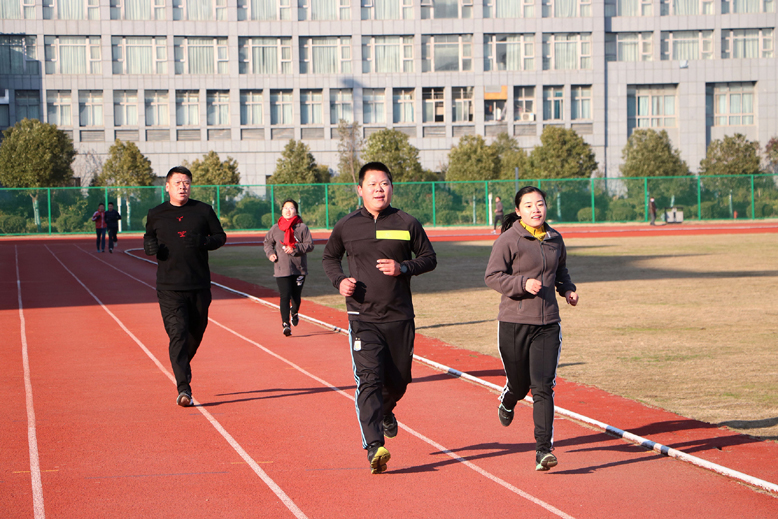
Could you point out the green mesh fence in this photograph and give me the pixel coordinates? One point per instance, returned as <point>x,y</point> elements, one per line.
<point>69,209</point>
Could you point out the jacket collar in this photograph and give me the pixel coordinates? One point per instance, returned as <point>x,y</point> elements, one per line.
<point>383,214</point>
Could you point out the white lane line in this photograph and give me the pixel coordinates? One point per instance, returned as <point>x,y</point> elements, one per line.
<point>285,499</point>
<point>32,435</point>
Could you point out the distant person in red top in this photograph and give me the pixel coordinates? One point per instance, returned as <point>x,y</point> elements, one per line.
<point>100,226</point>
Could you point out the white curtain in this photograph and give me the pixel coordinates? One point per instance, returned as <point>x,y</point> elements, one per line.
<point>387,9</point>
<point>200,56</point>
<point>250,108</point>
<point>187,111</point>
<point>156,110</point>
<point>218,113</point>
<point>199,10</point>
<point>746,6</point>
<point>58,110</point>
<point>140,55</point>
<point>72,55</point>
<point>565,8</point>
<point>10,10</point>
<point>565,55</point>
<point>263,10</point>
<point>324,9</point>
<point>137,10</point>
<point>324,58</point>
<point>627,47</point>
<point>628,7</point>
<point>125,112</point>
<point>446,8</point>
<point>90,110</point>
<point>508,8</point>
<point>746,43</point>
<point>685,7</point>
<point>264,60</point>
<point>387,55</point>
<point>513,53</point>
<point>311,112</point>
<point>685,45</point>
<point>70,9</point>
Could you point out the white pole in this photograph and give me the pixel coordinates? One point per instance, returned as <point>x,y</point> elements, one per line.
<point>491,216</point>
<point>119,208</point>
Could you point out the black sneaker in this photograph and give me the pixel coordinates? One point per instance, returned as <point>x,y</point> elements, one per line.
<point>295,320</point>
<point>377,455</point>
<point>545,460</point>
<point>506,415</point>
<point>110,251</point>
<point>287,329</point>
<point>184,399</point>
<point>390,426</point>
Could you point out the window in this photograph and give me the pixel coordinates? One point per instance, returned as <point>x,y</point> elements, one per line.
<point>387,9</point>
<point>581,102</point>
<point>685,45</point>
<point>58,108</point>
<point>629,46</point>
<point>139,55</point>
<point>17,56</point>
<point>72,54</point>
<point>446,9</point>
<point>310,107</point>
<point>187,108</point>
<point>125,108</point>
<point>523,103</point>
<point>553,103</point>
<point>509,52</point>
<point>200,55</point>
<point>730,104</point>
<point>509,8</point>
<point>494,110</point>
<point>137,9</point>
<point>265,55</point>
<point>90,108</point>
<point>373,106</point>
<point>651,106</point>
<point>629,8</point>
<point>685,7</point>
<point>281,107</point>
<point>747,6</point>
<point>387,54</point>
<point>447,53</point>
<point>324,9</point>
<point>462,98</point>
<point>402,105</point>
<point>434,110</point>
<point>264,10</point>
<point>341,105</point>
<point>328,55</point>
<point>567,51</point>
<point>217,107</point>
<point>5,116</point>
<point>567,8</point>
<point>71,9</point>
<point>157,108</point>
<point>17,10</point>
<point>28,104</point>
<point>251,107</point>
<point>199,9</point>
<point>746,43</point>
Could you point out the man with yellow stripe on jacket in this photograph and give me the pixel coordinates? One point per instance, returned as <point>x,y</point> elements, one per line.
<point>380,242</point>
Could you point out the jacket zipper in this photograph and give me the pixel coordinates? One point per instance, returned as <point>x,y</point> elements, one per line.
<point>542,272</point>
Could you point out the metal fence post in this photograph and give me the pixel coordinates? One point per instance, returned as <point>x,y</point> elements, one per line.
<point>272,206</point>
<point>645,198</point>
<point>592,189</point>
<point>326,206</point>
<point>434,216</point>
<point>218,204</point>
<point>486,200</point>
<point>753,211</point>
<point>49,196</point>
<point>699,197</point>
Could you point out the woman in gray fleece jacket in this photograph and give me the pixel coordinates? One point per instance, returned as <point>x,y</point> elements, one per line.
<point>287,244</point>
<point>528,263</point>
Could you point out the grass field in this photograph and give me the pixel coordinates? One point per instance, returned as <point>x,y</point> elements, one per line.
<point>685,323</point>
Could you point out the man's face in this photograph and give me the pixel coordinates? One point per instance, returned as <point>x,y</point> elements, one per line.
<point>376,191</point>
<point>178,187</point>
<point>110,207</point>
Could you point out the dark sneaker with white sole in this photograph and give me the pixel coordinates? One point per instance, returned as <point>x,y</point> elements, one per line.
<point>545,460</point>
<point>378,456</point>
<point>505,415</point>
<point>287,329</point>
<point>295,320</point>
<point>184,399</point>
<point>390,426</point>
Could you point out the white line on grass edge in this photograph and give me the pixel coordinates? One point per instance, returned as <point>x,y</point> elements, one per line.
<point>608,429</point>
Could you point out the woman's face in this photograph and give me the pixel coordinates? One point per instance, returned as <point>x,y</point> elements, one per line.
<point>288,211</point>
<point>532,209</point>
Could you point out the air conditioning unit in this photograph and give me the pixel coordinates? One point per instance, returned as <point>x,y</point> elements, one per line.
<point>527,117</point>
<point>5,99</point>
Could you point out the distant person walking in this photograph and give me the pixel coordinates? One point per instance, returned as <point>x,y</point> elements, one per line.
<point>380,242</point>
<point>287,245</point>
<point>652,210</point>
<point>528,262</point>
<point>498,213</point>
<point>180,233</point>
<point>100,226</point>
<point>112,218</point>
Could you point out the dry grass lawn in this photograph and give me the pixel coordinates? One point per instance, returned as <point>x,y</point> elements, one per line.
<point>685,323</point>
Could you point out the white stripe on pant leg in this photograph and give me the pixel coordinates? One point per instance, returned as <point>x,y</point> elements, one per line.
<point>356,379</point>
<point>499,350</point>
<point>553,385</point>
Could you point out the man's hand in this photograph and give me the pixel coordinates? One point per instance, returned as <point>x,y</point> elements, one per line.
<point>150,245</point>
<point>389,267</point>
<point>347,287</point>
<point>533,286</point>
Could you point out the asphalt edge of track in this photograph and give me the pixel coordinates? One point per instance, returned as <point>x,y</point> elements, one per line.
<point>659,448</point>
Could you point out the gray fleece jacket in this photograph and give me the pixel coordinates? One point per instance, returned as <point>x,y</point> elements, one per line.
<point>518,256</point>
<point>295,264</point>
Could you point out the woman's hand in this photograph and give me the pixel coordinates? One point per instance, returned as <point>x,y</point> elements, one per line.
<point>273,258</point>
<point>533,286</point>
<point>571,298</point>
<point>289,250</point>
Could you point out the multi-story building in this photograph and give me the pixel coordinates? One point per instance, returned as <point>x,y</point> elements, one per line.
<point>242,77</point>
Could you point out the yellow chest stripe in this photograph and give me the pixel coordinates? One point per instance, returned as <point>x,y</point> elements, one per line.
<point>393,235</point>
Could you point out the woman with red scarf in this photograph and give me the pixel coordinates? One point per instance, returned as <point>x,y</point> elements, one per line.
<point>287,244</point>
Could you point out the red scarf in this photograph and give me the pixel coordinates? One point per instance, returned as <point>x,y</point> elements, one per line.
<point>288,227</point>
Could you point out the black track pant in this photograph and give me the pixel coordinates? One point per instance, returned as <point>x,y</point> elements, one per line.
<point>185,314</point>
<point>530,355</point>
<point>112,236</point>
<point>291,289</point>
<point>382,355</point>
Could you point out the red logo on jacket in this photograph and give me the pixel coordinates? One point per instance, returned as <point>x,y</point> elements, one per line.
<point>181,234</point>
<point>180,218</point>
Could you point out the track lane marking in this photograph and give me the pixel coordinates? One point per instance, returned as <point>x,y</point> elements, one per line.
<point>39,510</point>
<point>282,496</point>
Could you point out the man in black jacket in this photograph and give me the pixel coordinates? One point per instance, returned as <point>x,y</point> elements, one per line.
<point>112,218</point>
<point>381,242</point>
<point>180,233</point>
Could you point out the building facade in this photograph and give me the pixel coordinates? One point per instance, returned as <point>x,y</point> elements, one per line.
<point>242,77</point>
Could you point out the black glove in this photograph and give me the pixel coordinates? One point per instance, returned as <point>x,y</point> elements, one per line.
<point>194,240</point>
<point>150,245</point>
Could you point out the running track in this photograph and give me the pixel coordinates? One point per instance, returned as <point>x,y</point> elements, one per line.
<point>90,428</point>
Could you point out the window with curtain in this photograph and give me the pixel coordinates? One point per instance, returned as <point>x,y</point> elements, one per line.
<point>265,55</point>
<point>387,54</point>
<point>387,9</point>
<point>341,105</point>
<point>71,9</point>
<point>139,54</point>
<point>28,104</point>
<point>629,46</point>
<point>125,107</point>
<point>200,55</point>
<point>730,104</point>
<point>311,107</point>
<point>72,55</point>
<point>509,8</point>
<point>17,56</point>
<point>651,106</point>
<point>90,108</point>
<point>509,52</point>
<point>553,103</point>
<point>199,9</point>
<point>187,108</point>
<point>58,108</point>
<point>17,9</point>
<point>581,102</point>
<point>747,43</point>
<point>281,110</point>
<point>524,103</point>
<point>433,107</point>
<point>402,105</point>
<point>447,52</point>
<point>265,9</point>
<point>441,9</point>
<point>494,110</point>
<point>373,106</point>
<point>325,55</point>
<point>157,107</point>
<point>217,107</point>
<point>629,8</point>
<point>566,8</point>
<point>567,51</point>
<point>251,107</point>
<point>685,7</point>
<point>462,104</point>
<point>687,45</point>
<point>137,9</point>
<point>747,6</point>
<point>324,10</point>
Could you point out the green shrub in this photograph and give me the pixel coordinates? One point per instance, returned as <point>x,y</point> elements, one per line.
<point>32,228</point>
<point>585,214</point>
<point>267,221</point>
<point>446,217</point>
<point>762,209</point>
<point>12,224</point>
<point>707,210</point>
<point>244,221</point>
<point>620,211</point>
<point>69,223</point>
<point>335,214</point>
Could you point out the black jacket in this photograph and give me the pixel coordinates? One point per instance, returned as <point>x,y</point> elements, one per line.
<point>184,236</point>
<point>393,235</point>
<point>112,218</point>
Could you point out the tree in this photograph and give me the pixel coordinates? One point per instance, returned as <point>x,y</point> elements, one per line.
<point>126,166</point>
<point>771,154</point>
<point>649,153</point>
<point>511,156</point>
<point>732,155</point>
<point>35,154</point>
<point>349,147</point>
<point>211,171</point>
<point>298,166</point>
<point>562,154</point>
<point>393,148</point>
<point>473,159</point>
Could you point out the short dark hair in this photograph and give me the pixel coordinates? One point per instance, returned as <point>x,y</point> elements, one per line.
<point>110,203</point>
<point>374,166</point>
<point>293,202</point>
<point>178,169</point>
<point>101,204</point>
